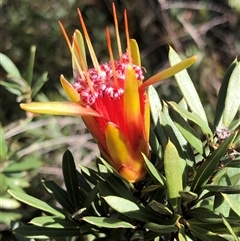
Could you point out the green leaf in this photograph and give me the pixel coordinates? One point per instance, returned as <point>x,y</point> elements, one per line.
<point>222,95</point>
<point>228,226</point>
<point>22,166</point>
<point>131,209</point>
<point>7,203</point>
<point>193,117</point>
<point>7,217</point>
<point>9,66</point>
<point>107,222</point>
<point>204,234</point>
<point>92,195</point>
<point>160,208</point>
<point>155,104</point>
<point>39,83</point>
<point>121,188</point>
<point>105,189</point>
<point>154,172</point>
<point>187,197</point>
<point>45,233</point>
<point>232,101</point>
<point>29,74</point>
<point>90,175</point>
<point>205,215</point>
<point>224,189</point>
<point>34,202</point>
<point>70,178</point>
<point>187,88</point>
<point>173,172</point>
<point>188,132</point>
<point>82,182</point>
<point>58,194</point>
<point>219,228</point>
<point>52,222</point>
<point>233,203</point>
<point>207,168</point>
<point>3,145</point>
<point>3,183</point>
<point>160,228</point>
<point>181,233</point>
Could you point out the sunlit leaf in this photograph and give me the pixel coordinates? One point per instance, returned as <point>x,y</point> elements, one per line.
<point>206,169</point>
<point>34,202</point>
<point>131,209</point>
<point>228,226</point>
<point>160,228</point>
<point>9,66</point>
<point>173,172</point>
<point>45,233</point>
<point>187,88</point>
<point>193,117</point>
<point>224,91</point>
<point>204,234</point>
<point>154,172</point>
<point>107,222</point>
<point>234,203</point>
<point>52,222</point>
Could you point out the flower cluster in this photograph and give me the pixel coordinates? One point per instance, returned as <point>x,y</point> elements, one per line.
<point>112,100</point>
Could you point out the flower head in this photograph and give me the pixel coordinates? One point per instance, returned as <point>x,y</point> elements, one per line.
<point>112,100</point>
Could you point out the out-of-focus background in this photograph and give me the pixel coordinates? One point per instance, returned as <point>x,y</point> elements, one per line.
<point>208,28</point>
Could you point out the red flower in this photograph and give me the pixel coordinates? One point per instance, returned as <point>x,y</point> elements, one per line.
<point>112,100</point>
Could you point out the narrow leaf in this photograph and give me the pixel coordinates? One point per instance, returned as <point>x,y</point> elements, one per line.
<point>205,171</point>
<point>187,88</point>
<point>222,94</point>
<point>9,66</point>
<point>131,209</point>
<point>160,228</point>
<point>34,202</point>
<point>59,194</point>
<point>204,234</point>
<point>107,222</point>
<point>155,104</point>
<point>154,172</point>
<point>173,172</point>
<point>30,67</point>
<point>233,203</point>
<point>52,222</point>
<point>70,178</point>
<point>193,117</point>
<point>188,132</point>
<point>232,101</point>
<point>228,226</point>
<point>45,233</point>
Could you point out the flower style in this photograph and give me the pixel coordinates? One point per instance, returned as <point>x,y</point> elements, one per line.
<point>112,100</point>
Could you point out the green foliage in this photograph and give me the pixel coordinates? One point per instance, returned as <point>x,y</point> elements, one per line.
<point>191,191</point>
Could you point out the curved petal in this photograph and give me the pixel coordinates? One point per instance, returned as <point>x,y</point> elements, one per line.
<point>128,163</point>
<point>59,108</point>
<point>132,108</point>
<point>70,91</point>
<point>135,52</point>
<point>168,72</point>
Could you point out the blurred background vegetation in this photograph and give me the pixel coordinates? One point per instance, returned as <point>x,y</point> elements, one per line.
<point>209,29</point>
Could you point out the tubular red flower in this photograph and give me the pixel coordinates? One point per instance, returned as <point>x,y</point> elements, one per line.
<point>112,100</point>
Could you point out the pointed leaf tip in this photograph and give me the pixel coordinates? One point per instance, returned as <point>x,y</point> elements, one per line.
<point>70,91</point>
<point>169,72</point>
<point>58,108</point>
